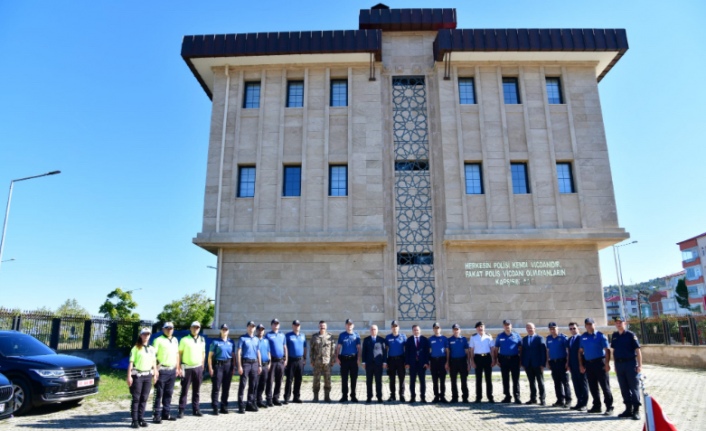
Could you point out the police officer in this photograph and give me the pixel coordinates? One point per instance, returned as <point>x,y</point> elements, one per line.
<point>577,377</point>
<point>439,346</point>
<point>416,352</point>
<point>395,360</point>
<point>141,372</point>
<point>594,360</point>
<point>481,345</point>
<point>457,363</point>
<point>221,369</point>
<point>374,361</point>
<point>167,352</point>
<point>278,363</point>
<point>323,351</point>
<point>533,358</point>
<point>296,359</point>
<point>628,364</point>
<point>265,358</point>
<point>249,367</point>
<point>192,353</point>
<point>507,353</point>
<point>348,356</point>
<point>557,351</point>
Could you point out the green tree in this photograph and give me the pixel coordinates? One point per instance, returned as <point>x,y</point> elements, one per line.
<point>187,309</point>
<point>682,294</point>
<point>120,306</point>
<point>71,308</point>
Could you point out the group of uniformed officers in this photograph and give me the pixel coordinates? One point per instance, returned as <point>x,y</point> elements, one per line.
<point>263,359</point>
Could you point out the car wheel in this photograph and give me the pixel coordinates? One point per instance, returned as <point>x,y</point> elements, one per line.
<point>23,396</point>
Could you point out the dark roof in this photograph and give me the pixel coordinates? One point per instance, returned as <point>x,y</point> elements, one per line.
<point>518,40</point>
<point>407,19</point>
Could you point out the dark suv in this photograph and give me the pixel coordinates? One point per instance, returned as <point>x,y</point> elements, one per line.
<point>41,376</point>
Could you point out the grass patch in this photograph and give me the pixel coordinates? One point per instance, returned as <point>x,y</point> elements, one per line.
<point>113,385</point>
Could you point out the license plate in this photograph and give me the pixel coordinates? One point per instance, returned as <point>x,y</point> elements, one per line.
<point>2,407</point>
<point>83,383</point>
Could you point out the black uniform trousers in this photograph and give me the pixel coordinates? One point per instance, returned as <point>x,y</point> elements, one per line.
<point>191,377</point>
<point>274,379</point>
<point>262,381</point>
<point>438,376</point>
<point>580,387</point>
<point>459,366</point>
<point>395,367</point>
<point>349,367</point>
<point>535,375</point>
<point>163,390</point>
<point>222,376</point>
<point>416,369</point>
<point>561,380</point>
<point>626,371</point>
<point>483,366</point>
<point>597,376</point>
<point>373,371</point>
<point>249,378</point>
<point>294,370</point>
<point>510,366</point>
<point>140,391</point>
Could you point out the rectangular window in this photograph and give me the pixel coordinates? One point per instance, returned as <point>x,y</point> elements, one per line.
<point>246,182</point>
<point>511,91</point>
<point>565,177</point>
<point>425,258</point>
<point>412,165</point>
<point>251,98</point>
<point>339,92</point>
<point>295,94</point>
<point>689,255</point>
<point>292,181</point>
<point>520,181</point>
<point>693,273</point>
<point>554,91</point>
<point>474,179</point>
<point>338,180</point>
<point>466,91</point>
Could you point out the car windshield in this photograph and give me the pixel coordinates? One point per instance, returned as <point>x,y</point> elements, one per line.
<point>16,344</point>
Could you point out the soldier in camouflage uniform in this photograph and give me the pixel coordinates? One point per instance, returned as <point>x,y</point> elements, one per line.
<point>323,352</point>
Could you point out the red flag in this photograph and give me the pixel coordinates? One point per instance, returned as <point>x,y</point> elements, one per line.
<point>655,419</point>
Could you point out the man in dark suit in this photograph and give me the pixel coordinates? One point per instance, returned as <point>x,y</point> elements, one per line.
<point>534,359</point>
<point>374,360</point>
<point>577,377</point>
<point>417,361</point>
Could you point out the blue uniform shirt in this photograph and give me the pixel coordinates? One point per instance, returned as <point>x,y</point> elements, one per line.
<point>593,345</point>
<point>249,346</point>
<point>458,346</point>
<point>439,344</point>
<point>277,342</point>
<point>264,350</point>
<point>624,345</point>
<point>349,343</point>
<point>296,344</point>
<point>557,346</point>
<point>508,345</point>
<point>395,345</point>
<point>222,350</point>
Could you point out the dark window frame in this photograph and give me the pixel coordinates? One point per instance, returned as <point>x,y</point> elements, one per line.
<point>291,189</point>
<point>295,100</point>
<point>332,188</point>
<point>562,180</point>
<point>507,97</point>
<point>412,165</point>
<point>335,96</point>
<point>554,97</point>
<point>242,191</point>
<point>248,103</point>
<point>464,93</point>
<point>423,258</point>
<point>475,185</point>
<point>517,187</point>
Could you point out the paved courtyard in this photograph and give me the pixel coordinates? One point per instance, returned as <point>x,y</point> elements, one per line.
<point>679,391</point>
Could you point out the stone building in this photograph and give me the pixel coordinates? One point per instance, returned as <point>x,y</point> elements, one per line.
<point>407,170</point>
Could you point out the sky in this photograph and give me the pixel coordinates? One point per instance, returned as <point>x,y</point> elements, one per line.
<point>99,91</point>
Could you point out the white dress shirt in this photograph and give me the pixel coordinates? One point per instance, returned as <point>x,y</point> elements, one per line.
<point>481,344</point>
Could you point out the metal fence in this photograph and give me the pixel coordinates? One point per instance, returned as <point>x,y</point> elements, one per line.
<point>671,330</point>
<point>73,332</point>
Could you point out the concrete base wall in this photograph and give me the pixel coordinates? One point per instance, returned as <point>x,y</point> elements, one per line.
<point>678,356</point>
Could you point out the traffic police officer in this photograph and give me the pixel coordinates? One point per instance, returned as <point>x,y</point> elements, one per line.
<point>221,369</point>
<point>557,351</point>
<point>481,345</point>
<point>249,367</point>
<point>457,363</point>
<point>265,359</point>
<point>395,359</point>
<point>167,352</point>
<point>628,364</point>
<point>192,353</point>
<point>278,362</point>
<point>577,377</point>
<point>296,359</point>
<point>507,353</point>
<point>141,372</point>
<point>348,356</point>
<point>594,360</point>
<point>323,351</point>
<point>439,346</point>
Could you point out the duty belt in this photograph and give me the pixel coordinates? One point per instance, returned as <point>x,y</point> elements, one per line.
<point>249,361</point>
<point>558,359</point>
<point>164,367</point>
<point>137,373</point>
<point>225,361</point>
<point>481,354</point>
<point>596,360</point>
<point>277,359</point>
<point>621,360</point>
<point>266,363</point>
<point>347,356</point>
<point>190,367</point>
<point>296,358</point>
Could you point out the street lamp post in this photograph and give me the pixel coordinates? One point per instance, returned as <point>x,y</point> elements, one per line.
<point>619,274</point>
<point>9,200</point>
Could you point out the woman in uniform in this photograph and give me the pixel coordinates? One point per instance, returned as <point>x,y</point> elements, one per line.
<point>141,374</point>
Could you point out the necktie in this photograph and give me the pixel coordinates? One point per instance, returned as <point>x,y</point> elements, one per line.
<point>416,339</point>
